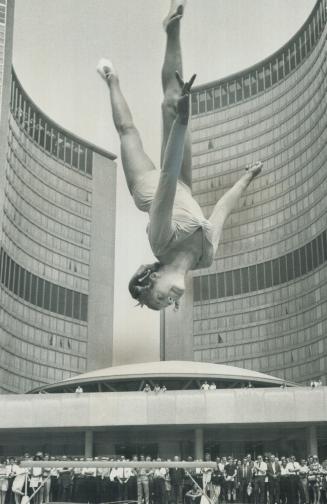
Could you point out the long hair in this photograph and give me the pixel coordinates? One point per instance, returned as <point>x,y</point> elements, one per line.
<point>141,283</point>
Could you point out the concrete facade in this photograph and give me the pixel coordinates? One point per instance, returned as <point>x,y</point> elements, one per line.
<point>262,304</point>
<point>182,422</point>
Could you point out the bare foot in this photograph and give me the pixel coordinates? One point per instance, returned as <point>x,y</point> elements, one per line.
<point>175,13</point>
<point>254,168</point>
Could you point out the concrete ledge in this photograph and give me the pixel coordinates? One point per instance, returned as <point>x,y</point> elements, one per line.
<point>187,407</point>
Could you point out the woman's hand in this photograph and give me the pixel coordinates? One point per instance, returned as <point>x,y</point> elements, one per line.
<point>183,103</point>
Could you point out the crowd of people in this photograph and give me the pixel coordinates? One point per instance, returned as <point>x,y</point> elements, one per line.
<point>265,480</point>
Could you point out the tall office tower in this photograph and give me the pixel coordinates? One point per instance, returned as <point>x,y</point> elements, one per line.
<point>263,303</point>
<point>57,242</point>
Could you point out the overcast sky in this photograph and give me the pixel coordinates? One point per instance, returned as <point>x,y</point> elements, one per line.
<point>57,45</point>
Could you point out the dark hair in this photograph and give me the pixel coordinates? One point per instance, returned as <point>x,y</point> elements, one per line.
<point>141,283</point>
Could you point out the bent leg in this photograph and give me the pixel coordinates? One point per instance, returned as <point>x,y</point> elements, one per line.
<point>228,202</point>
<point>172,63</point>
<point>135,161</point>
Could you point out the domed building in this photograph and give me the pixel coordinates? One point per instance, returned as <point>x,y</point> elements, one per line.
<point>166,408</point>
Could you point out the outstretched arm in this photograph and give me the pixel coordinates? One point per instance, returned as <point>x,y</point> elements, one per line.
<point>160,229</point>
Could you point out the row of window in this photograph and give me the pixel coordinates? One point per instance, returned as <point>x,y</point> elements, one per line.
<point>260,136</point>
<point>264,275</point>
<point>43,204</point>
<point>46,134</point>
<point>267,74</point>
<point>39,337</point>
<point>39,267</point>
<point>265,110</point>
<point>40,292</point>
<point>36,250</point>
<point>42,321</point>
<point>41,186</point>
<point>52,225</point>
<point>56,175</point>
<point>34,353</point>
<point>44,237</point>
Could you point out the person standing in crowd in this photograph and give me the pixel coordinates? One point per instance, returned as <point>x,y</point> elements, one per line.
<point>132,482</point>
<point>294,480</point>
<point>89,474</point>
<point>230,473</point>
<point>176,479</point>
<point>11,473</point>
<point>36,480</point>
<point>19,482</point>
<point>303,477</point>
<point>244,478</point>
<point>3,481</point>
<point>65,482</point>
<point>259,472</point>
<point>188,482</point>
<point>323,494</point>
<point>314,480</point>
<point>143,487</point>
<point>206,476</point>
<point>46,480</point>
<point>273,473</point>
<point>123,474</point>
<point>159,493</point>
<point>217,478</point>
<point>284,486</point>
<point>77,481</point>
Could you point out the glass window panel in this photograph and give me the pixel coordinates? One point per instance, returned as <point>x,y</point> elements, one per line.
<point>245,280</point>
<point>195,108</point>
<point>303,261</point>
<point>54,142</point>
<point>196,288</point>
<point>84,307</point>
<point>46,301</point>
<point>213,286</point>
<point>224,95</point>
<point>221,285</point>
<point>61,146</point>
<point>309,256</point>
<point>40,290</point>
<point>275,266</point>
<point>27,294</point>
<point>283,272</point>
<point>297,269</point>
<point>229,283</point>
<point>54,298</point>
<point>209,99</point>
<point>75,155</point>
<point>320,250</point>
<point>42,132</point>
<point>81,161</point>
<point>69,303</point>
<point>253,278</point>
<point>261,276</point>
<point>324,243</point>
<point>68,151</point>
<point>205,287</point>
<point>11,275</point>
<point>77,306</point>
<point>89,161</point>
<point>7,270</point>
<point>33,289</point>
<point>16,279</point>
<point>268,275</point>
<point>237,281</point>
<point>61,300</point>
<point>315,253</point>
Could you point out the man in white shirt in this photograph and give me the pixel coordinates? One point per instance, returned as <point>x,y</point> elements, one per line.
<point>259,472</point>
<point>123,474</point>
<point>293,468</point>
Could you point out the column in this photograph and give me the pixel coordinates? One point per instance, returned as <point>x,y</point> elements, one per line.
<point>198,443</point>
<point>88,444</point>
<point>312,441</point>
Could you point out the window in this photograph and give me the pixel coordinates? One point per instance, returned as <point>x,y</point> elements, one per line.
<point>245,280</point>
<point>205,287</point>
<point>196,288</point>
<point>268,276</point>
<point>221,285</point>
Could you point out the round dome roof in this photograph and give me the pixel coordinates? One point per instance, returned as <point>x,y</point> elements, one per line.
<point>172,372</point>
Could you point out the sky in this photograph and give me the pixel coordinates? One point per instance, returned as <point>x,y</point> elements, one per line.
<point>57,44</point>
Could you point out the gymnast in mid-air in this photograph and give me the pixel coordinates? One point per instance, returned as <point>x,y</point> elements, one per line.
<point>181,238</point>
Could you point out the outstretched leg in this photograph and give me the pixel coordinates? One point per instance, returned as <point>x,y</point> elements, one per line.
<point>172,91</point>
<point>228,202</point>
<point>135,161</point>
